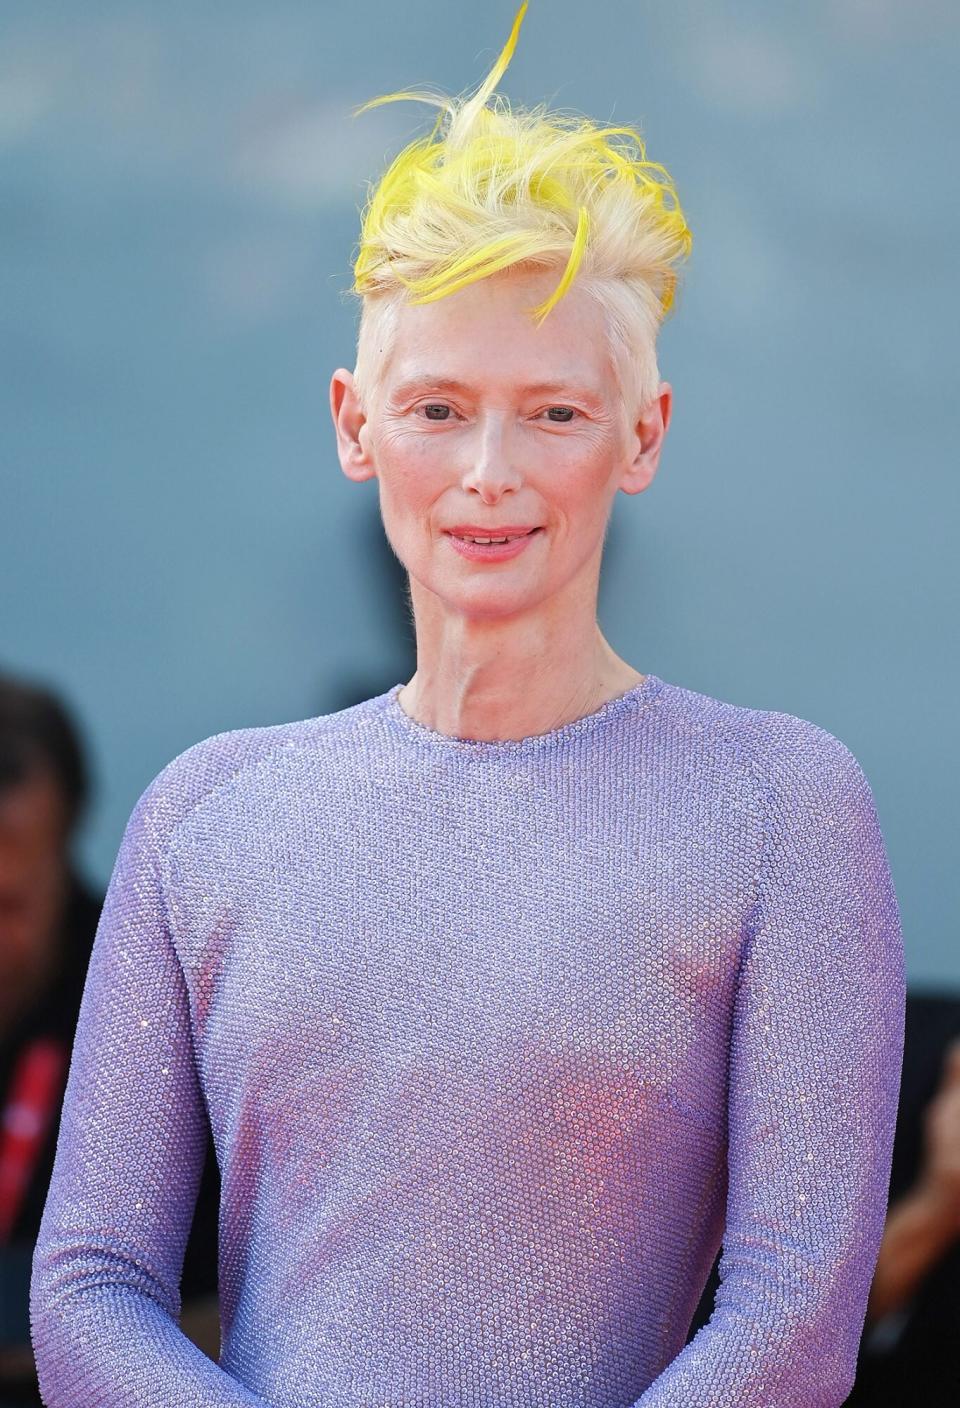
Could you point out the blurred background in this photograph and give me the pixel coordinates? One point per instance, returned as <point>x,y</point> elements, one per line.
<point>180,553</point>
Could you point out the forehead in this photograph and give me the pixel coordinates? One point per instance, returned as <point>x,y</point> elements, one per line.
<point>486,333</point>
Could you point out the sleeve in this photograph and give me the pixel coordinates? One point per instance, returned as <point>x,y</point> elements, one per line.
<point>814,1077</point>
<point>105,1284</point>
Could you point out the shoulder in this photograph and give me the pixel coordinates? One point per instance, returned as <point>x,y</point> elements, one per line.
<point>783,753</point>
<point>195,775</point>
<point>247,768</point>
<point>817,819</point>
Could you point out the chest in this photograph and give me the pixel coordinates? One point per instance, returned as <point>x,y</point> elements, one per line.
<point>389,940</point>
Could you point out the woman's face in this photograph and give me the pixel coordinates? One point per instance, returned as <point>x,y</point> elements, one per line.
<point>482,418</point>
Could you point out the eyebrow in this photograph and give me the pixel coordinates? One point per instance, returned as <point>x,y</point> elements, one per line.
<point>538,388</point>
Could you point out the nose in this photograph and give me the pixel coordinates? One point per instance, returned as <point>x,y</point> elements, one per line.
<point>492,460</point>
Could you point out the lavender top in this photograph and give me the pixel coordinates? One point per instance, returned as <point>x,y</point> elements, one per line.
<point>497,1042</point>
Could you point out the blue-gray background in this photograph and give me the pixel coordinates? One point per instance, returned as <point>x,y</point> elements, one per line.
<point>179,551</point>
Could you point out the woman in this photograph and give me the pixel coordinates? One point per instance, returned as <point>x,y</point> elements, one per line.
<point>508,994</point>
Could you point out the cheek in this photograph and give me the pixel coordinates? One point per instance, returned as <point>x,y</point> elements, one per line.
<point>413,481</point>
<point>579,486</point>
<point>409,505</point>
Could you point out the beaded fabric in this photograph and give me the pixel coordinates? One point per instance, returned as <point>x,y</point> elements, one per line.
<point>498,1041</point>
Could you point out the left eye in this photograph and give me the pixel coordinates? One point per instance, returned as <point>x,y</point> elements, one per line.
<point>566,411</point>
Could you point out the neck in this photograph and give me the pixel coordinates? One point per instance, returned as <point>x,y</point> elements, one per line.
<point>493,697</point>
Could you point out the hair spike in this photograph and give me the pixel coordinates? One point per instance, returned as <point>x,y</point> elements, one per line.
<point>478,102</point>
<point>439,100</point>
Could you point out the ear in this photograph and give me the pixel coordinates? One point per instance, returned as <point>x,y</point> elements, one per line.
<point>646,441</point>
<point>351,427</point>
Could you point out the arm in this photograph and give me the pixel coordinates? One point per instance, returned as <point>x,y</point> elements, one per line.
<point>105,1288</point>
<point>814,1077</point>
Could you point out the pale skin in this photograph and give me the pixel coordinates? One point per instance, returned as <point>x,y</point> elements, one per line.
<point>513,648</point>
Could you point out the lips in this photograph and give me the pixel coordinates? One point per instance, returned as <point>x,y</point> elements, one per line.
<point>495,551</point>
<point>506,530</point>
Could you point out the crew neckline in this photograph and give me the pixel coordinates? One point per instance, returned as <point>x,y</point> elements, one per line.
<point>632,700</point>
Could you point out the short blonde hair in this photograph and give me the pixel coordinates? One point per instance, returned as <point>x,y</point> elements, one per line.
<point>494,187</point>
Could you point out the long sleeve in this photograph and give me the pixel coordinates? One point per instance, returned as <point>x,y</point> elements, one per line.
<point>814,1075</point>
<point>105,1287</point>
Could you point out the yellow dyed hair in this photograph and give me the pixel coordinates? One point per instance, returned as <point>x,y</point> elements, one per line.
<point>495,186</point>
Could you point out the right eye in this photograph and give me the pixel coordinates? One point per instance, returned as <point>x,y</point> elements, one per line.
<point>435,406</point>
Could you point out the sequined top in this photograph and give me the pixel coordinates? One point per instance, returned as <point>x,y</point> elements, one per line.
<point>498,1041</point>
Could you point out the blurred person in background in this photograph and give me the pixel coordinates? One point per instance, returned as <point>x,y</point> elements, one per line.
<point>48,917</point>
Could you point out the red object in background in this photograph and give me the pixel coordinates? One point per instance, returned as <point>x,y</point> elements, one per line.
<point>33,1099</point>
